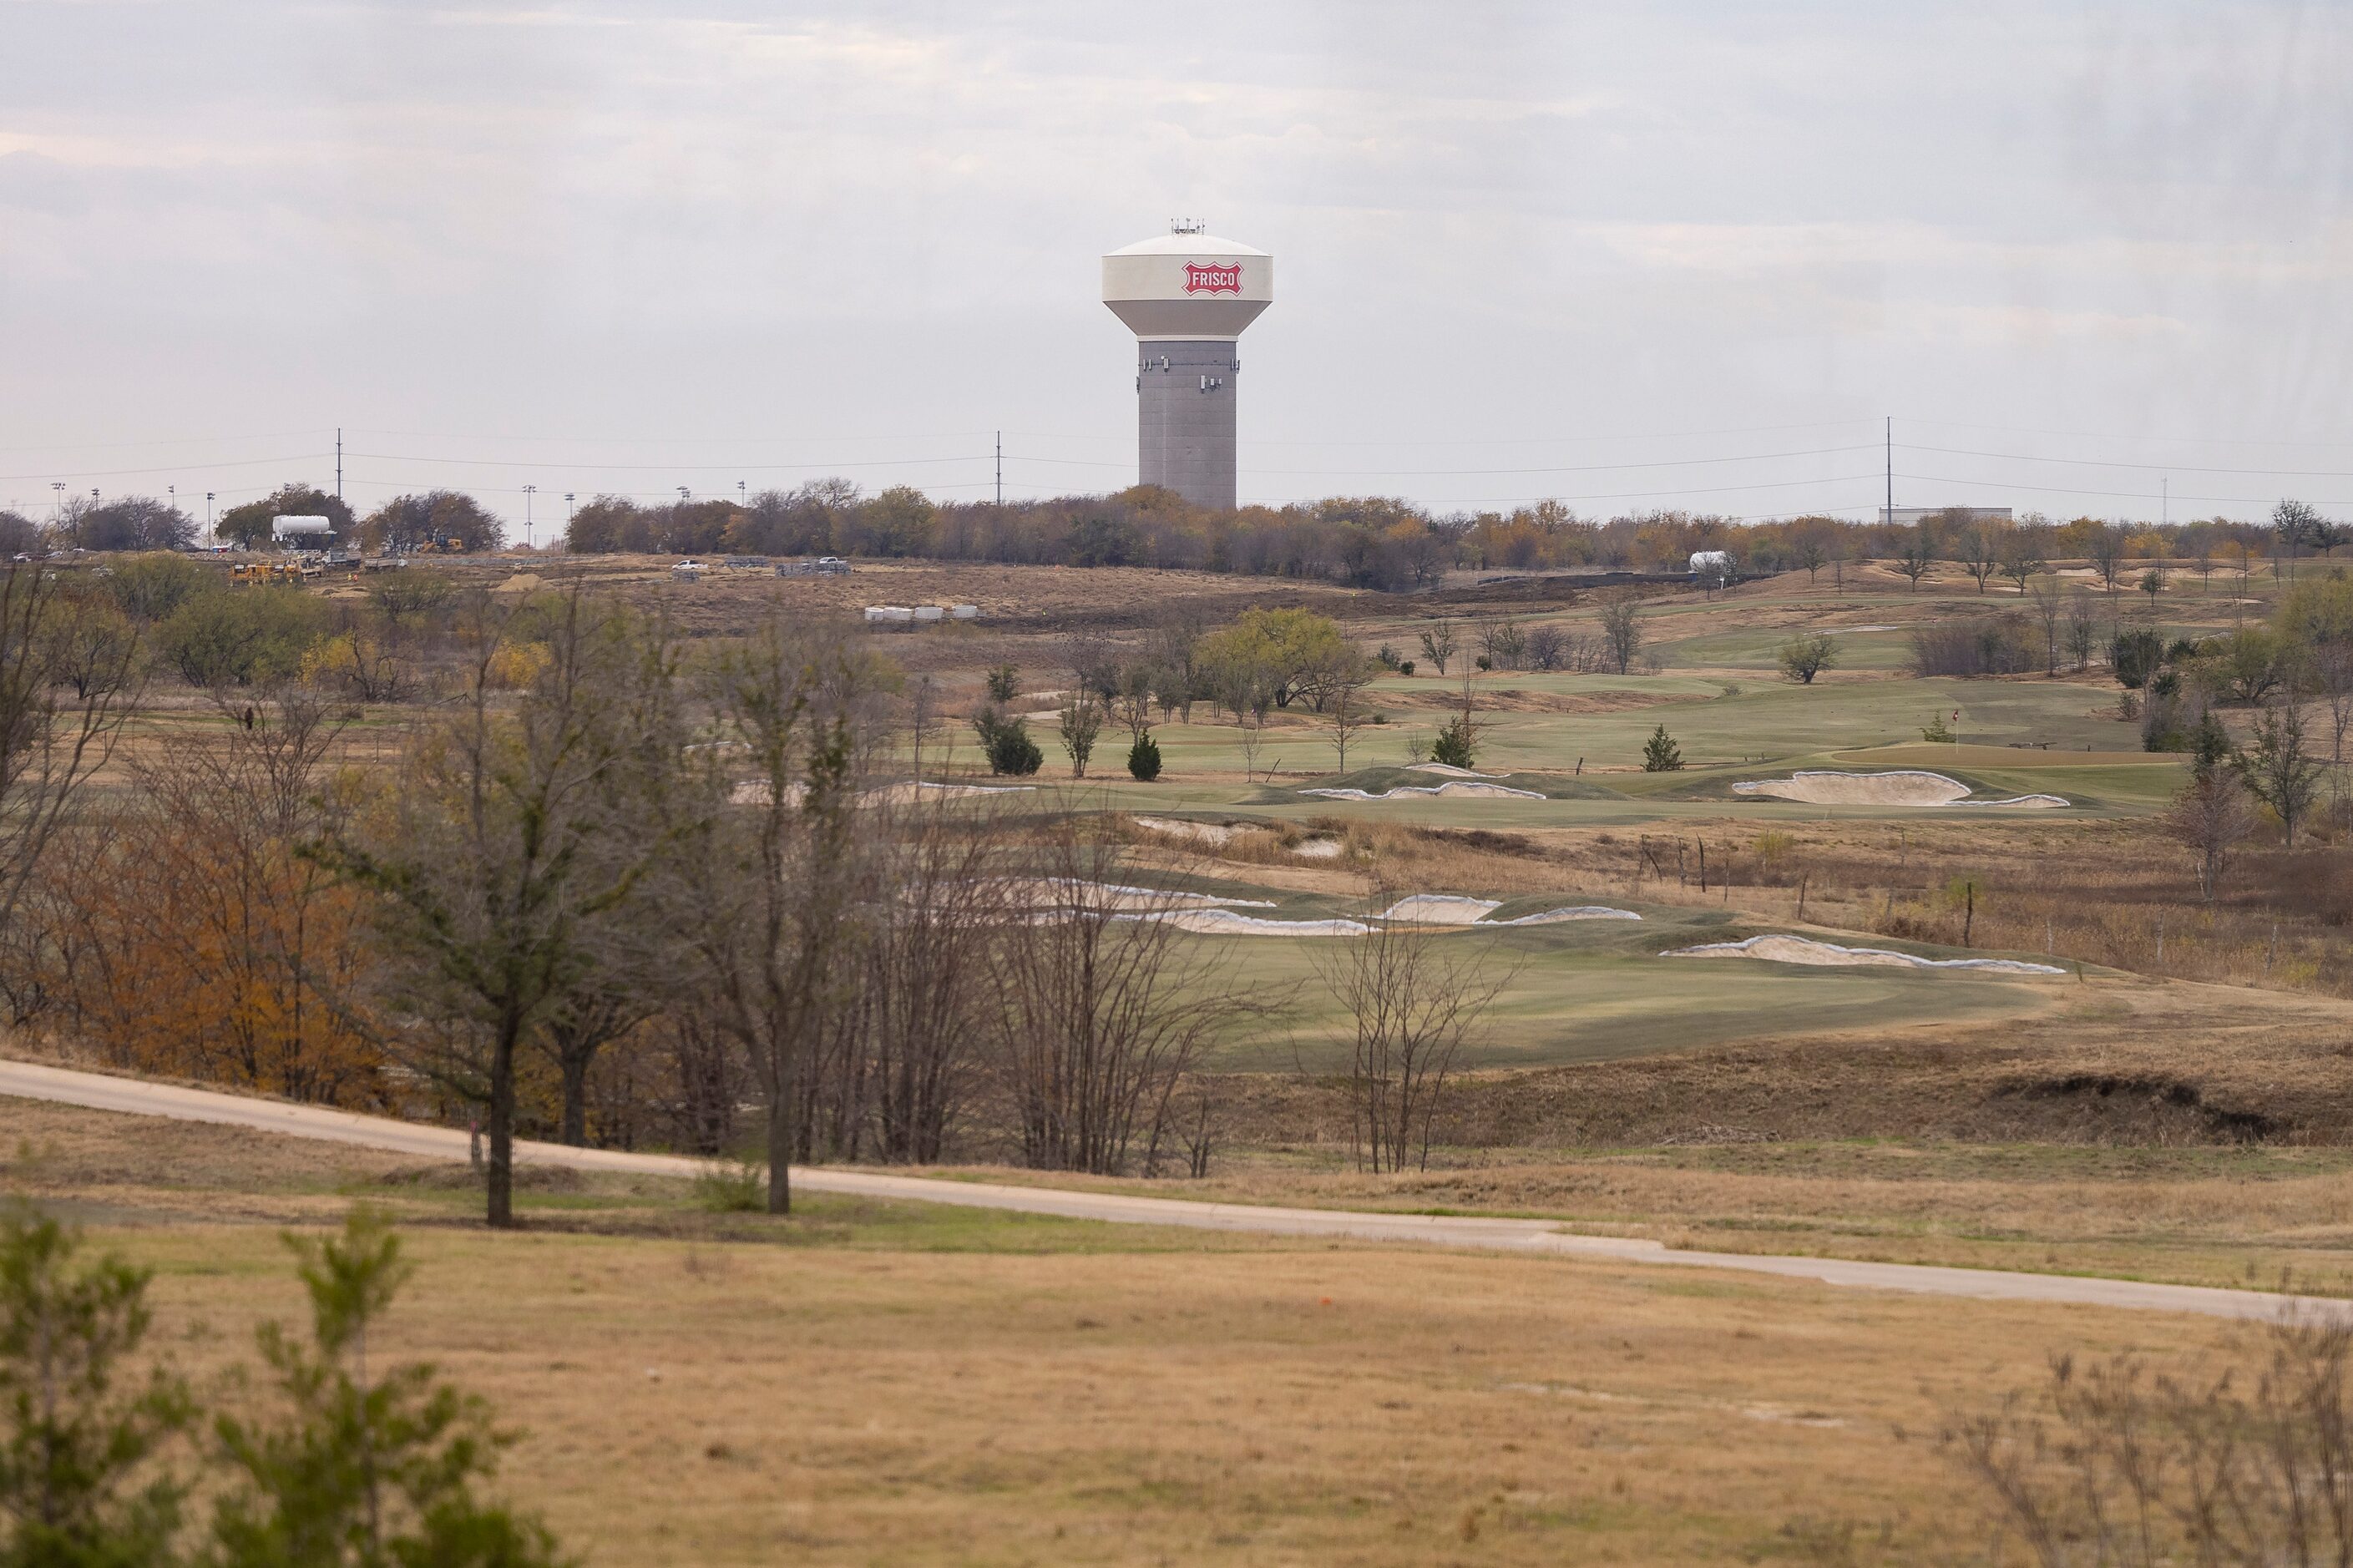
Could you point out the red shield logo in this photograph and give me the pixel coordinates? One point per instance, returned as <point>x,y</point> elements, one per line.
<point>1208,278</point>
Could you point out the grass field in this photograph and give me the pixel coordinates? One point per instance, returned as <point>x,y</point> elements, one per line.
<point>871,1383</point>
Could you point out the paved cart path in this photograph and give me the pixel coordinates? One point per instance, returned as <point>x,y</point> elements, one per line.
<point>97,1091</point>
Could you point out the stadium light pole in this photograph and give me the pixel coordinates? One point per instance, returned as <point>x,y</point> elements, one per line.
<point>59,486</point>
<point>528,491</point>
<point>209,534</point>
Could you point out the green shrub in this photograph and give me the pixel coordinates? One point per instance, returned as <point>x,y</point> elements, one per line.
<point>1660,752</point>
<point>151,586</point>
<point>1144,758</point>
<point>731,1186</point>
<point>253,637</point>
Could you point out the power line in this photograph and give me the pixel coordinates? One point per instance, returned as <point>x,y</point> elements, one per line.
<point>2149,468</point>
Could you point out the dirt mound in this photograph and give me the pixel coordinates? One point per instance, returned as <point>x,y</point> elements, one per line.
<point>1782,949</point>
<point>1824,786</point>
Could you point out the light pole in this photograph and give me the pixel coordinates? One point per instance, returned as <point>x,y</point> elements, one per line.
<point>741,498</point>
<point>681,495</point>
<point>528,491</point>
<point>209,534</point>
<point>59,486</point>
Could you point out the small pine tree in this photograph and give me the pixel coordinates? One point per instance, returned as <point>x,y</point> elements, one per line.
<point>1937,730</point>
<point>1004,683</point>
<point>1457,744</point>
<point>77,1434</point>
<point>1660,752</point>
<point>371,1466</point>
<point>1144,758</point>
<point>1006,743</point>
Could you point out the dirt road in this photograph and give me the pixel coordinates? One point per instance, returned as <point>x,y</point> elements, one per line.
<point>97,1091</point>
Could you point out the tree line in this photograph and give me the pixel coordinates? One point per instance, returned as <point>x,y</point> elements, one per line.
<point>1381,542</point>
<point>604,887</point>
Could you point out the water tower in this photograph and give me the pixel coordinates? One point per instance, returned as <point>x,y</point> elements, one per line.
<point>1187,296</point>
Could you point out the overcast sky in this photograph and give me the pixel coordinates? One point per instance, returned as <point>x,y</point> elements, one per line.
<point>1632,256</point>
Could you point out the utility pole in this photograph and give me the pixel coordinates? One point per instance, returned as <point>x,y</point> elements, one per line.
<point>339,462</point>
<point>59,486</point>
<point>1000,468</point>
<point>2165,501</point>
<point>528,491</point>
<point>1890,517</point>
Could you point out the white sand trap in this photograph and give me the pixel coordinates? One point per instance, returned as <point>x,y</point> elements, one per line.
<point>1449,770</point>
<point>908,793</point>
<point>1205,832</point>
<point>1908,786</point>
<point>1320,849</point>
<point>1440,910</point>
<point>1042,891</point>
<point>1226,922</point>
<point>1805,950</point>
<point>1488,791</point>
<point>1576,912</point>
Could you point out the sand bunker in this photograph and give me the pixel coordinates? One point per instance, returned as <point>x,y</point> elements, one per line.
<point>908,793</point>
<point>1205,832</point>
<point>1440,910</point>
<point>1485,790</point>
<point>1055,891</point>
<point>1575,913</point>
<point>1448,909</point>
<point>1226,922</point>
<point>1320,849</point>
<point>1824,786</point>
<point>1449,770</point>
<point>1805,950</point>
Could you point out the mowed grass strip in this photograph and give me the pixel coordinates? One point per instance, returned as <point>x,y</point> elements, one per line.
<point>1131,1396</point>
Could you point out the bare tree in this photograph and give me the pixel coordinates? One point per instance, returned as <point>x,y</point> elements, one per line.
<point>2083,627</point>
<point>1081,721</point>
<point>1979,556</point>
<point>766,888</point>
<point>1916,558</point>
<point>1253,732</point>
<point>2106,551</point>
<point>1438,644</point>
<point>1410,996</point>
<point>1622,632</point>
<point>1344,705</point>
<point>500,851</point>
<point>2116,1464</point>
<point>2211,817</point>
<point>50,749</point>
<point>2049,606</point>
<point>1103,1008</point>
<point>2281,771</point>
<point>931,939</point>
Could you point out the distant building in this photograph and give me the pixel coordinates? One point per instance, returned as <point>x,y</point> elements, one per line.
<point>1912,516</point>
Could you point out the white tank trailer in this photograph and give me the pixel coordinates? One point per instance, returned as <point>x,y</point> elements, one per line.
<point>311,533</point>
<point>1187,296</point>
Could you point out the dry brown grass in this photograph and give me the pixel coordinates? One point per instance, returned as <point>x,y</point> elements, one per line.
<point>1137,1397</point>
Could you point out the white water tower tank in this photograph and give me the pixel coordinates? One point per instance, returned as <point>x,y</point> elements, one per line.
<point>1187,296</point>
